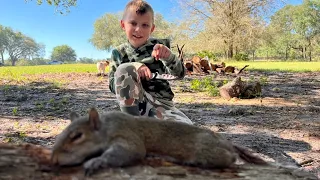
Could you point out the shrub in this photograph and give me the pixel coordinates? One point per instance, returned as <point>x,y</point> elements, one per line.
<point>209,54</point>
<point>207,84</point>
<point>23,62</point>
<point>196,85</point>
<point>39,61</point>
<point>241,57</point>
<point>213,90</point>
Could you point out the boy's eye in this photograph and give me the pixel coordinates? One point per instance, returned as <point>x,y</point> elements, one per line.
<point>133,23</point>
<point>145,25</point>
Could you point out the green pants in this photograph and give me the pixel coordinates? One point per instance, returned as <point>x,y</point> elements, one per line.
<point>133,99</point>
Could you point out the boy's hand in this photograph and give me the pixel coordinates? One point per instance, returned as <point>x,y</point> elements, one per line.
<point>161,52</point>
<point>144,72</point>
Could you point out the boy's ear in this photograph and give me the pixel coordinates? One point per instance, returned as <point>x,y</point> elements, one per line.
<point>122,24</point>
<point>152,28</point>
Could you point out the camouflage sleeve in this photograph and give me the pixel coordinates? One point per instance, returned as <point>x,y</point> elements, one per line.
<point>114,63</point>
<point>174,66</point>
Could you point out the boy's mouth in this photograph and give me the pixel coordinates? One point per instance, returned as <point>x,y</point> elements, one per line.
<point>137,37</point>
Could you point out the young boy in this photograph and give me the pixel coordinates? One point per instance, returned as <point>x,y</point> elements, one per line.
<point>134,63</point>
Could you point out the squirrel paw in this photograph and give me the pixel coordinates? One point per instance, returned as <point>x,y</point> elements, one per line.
<point>93,165</point>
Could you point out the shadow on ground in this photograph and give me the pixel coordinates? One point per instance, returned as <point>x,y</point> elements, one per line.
<point>270,146</point>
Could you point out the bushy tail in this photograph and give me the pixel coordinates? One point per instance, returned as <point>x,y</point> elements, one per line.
<point>247,156</point>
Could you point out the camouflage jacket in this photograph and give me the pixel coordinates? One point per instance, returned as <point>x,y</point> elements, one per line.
<point>159,89</point>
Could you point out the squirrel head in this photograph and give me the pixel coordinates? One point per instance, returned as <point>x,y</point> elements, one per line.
<point>79,140</point>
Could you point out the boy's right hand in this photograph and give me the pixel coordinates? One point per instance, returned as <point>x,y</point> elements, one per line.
<point>161,52</point>
<point>144,72</point>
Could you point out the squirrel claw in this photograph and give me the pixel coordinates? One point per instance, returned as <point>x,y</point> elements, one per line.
<point>93,165</point>
<point>88,172</point>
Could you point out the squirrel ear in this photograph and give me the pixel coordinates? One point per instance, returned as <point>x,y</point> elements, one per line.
<point>94,119</point>
<point>73,116</point>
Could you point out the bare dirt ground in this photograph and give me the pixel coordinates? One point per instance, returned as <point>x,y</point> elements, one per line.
<point>282,126</point>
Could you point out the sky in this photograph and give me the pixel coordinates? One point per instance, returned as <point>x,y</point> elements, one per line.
<point>75,28</point>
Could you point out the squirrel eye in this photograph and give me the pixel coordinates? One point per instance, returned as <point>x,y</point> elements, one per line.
<point>75,136</point>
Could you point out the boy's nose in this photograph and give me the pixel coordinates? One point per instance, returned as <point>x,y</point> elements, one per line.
<point>137,28</point>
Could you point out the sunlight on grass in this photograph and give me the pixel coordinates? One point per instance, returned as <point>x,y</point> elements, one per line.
<point>17,72</point>
<point>278,66</point>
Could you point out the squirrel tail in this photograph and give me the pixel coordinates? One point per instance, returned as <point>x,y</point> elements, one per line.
<point>247,156</point>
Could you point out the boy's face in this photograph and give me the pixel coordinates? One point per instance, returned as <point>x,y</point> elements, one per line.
<point>137,27</point>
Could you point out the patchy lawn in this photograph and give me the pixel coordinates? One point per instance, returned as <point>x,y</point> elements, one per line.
<point>282,126</point>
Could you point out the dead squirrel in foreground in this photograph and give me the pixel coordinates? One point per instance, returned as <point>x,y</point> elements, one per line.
<point>116,139</point>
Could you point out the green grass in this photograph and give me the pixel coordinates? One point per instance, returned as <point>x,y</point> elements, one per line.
<point>17,72</point>
<point>65,68</point>
<point>277,66</point>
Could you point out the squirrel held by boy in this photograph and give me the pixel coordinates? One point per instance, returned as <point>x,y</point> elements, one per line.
<point>117,139</point>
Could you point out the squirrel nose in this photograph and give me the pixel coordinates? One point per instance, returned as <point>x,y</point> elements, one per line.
<point>54,159</point>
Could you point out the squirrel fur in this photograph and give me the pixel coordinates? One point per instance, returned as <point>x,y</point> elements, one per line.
<point>117,139</point>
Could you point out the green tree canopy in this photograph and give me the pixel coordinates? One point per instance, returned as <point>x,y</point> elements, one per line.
<point>62,6</point>
<point>227,27</point>
<point>3,42</point>
<point>296,29</point>
<point>18,45</point>
<point>63,53</point>
<point>108,33</point>
<point>86,60</point>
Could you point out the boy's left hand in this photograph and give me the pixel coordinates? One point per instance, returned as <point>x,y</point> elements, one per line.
<point>161,52</point>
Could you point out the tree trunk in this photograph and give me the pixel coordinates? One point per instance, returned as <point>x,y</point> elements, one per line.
<point>310,58</point>
<point>253,55</point>
<point>13,60</point>
<point>310,50</point>
<point>226,52</point>
<point>2,58</point>
<point>230,51</point>
<point>240,89</point>
<point>24,162</point>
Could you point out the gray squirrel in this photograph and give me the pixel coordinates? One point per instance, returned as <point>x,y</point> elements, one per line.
<point>117,139</point>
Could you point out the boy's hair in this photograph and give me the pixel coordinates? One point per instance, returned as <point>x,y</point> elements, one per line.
<point>140,6</point>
